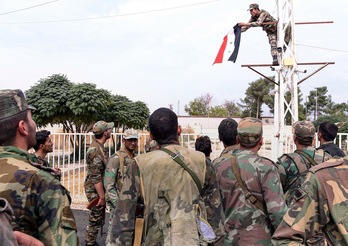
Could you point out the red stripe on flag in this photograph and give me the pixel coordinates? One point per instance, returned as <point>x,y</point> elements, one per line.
<point>220,55</point>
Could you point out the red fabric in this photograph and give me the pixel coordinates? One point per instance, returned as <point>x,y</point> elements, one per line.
<point>220,55</point>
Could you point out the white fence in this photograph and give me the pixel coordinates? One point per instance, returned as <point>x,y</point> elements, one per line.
<point>70,149</point>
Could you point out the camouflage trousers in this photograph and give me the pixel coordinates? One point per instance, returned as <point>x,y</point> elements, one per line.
<point>95,220</point>
<point>272,40</point>
<point>108,236</point>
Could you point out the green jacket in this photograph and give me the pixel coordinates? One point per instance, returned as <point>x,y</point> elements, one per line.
<point>41,205</point>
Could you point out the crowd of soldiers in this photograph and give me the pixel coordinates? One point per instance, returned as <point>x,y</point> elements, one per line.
<point>173,195</point>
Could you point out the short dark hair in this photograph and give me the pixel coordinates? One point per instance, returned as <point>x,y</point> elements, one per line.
<point>203,144</point>
<point>163,124</point>
<point>41,138</point>
<point>228,131</point>
<point>8,127</point>
<point>328,130</point>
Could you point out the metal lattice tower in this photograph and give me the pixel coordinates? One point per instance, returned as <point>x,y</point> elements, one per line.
<point>287,75</point>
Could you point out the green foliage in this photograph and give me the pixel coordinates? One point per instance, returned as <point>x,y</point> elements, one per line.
<point>219,111</point>
<point>201,106</point>
<point>318,101</point>
<point>342,120</point>
<point>255,96</point>
<point>78,106</point>
<point>49,97</point>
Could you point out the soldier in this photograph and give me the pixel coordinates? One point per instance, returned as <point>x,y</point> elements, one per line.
<point>40,203</point>
<point>293,167</point>
<point>269,25</point>
<point>318,214</point>
<point>203,144</point>
<point>252,195</point>
<point>115,169</point>
<point>43,146</point>
<point>327,133</point>
<point>170,195</point>
<point>228,136</point>
<point>8,237</point>
<point>94,188</point>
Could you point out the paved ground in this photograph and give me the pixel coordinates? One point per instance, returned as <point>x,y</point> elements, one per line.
<point>81,217</point>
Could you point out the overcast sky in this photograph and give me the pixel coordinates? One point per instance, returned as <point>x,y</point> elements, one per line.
<point>161,51</point>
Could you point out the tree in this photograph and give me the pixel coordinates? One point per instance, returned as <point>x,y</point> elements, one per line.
<point>49,96</point>
<point>318,101</point>
<point>255,97</point>
<point>78,106</point>
<point>232,108</point>
<point>339,109</point>
<point>199,106</point>
<point>218,111</point>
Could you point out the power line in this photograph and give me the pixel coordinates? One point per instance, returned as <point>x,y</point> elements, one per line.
<point>112,16</point>
<point>345,51</point>
<point>35,6</point>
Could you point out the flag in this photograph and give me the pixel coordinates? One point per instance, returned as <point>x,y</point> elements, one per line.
<point>230,46</point>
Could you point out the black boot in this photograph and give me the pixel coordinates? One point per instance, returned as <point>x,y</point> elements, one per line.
<point>275,61</point>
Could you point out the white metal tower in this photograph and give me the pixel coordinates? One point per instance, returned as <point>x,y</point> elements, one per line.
<point>287,75</point>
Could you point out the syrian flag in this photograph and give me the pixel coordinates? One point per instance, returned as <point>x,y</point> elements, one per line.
<point>230,46</point>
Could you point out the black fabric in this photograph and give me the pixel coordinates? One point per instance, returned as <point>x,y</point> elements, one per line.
<point>333,149</point>
<point>237,35</point>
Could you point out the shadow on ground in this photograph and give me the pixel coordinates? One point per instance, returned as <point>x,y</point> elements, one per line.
<point>81,218</point>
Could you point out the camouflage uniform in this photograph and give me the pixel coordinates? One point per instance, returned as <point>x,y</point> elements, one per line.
<point>293,167</point>
<point>169,194</point>
<point>95,158</point>
<point>113,180</point>
<point>226,154</point>
<point>39,160</point>
<point>40,203</point>
<point>245,224</point>
<point>270,29</point>
<point>6,232</point>
<point>42,164</point>
<point>318,215</point>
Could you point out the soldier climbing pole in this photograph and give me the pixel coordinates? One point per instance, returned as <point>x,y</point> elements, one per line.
<point>287,75</point>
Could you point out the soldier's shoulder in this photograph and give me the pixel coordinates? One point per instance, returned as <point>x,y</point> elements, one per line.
<point>331,163</point>
<point>266,160</point>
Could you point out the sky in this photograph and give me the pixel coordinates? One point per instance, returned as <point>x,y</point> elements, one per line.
<point>161,51</point>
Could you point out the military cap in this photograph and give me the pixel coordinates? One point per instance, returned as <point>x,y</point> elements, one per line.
<point>130,133</point>
<point>12,102</point>
<point>249,131</point>
<point>253,6</point>
<point>304,129</point>
<point>102,126</point>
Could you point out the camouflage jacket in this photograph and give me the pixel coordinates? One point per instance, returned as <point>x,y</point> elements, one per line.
<point>319,214</point>
<point>226,153</point>
<point>264,17</point>
<point>6,232</point>
<point>293,169</point>
<point>41,205</point>
<point>40,160</point>
<point>113,175</point>
<point>245,224</point>
<point>42,164</point>
<point>96,161</point>
<point>170,197</point>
